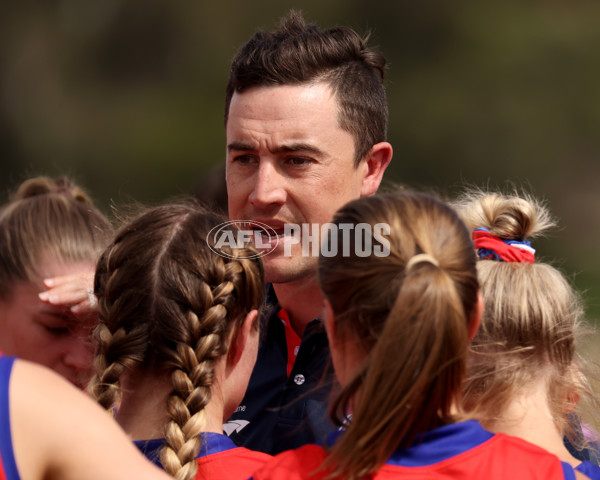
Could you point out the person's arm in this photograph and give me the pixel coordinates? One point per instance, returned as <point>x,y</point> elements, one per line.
<point>59,433</point>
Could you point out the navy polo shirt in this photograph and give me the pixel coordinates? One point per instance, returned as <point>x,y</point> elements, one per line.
<point>285,405</point>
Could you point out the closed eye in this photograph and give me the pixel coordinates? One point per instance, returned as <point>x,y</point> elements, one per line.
<point>56,323</point>
<point>58,331</point>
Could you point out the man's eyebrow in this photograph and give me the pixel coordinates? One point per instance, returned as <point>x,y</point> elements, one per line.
<point>239,146</point>
<point>298,147</point>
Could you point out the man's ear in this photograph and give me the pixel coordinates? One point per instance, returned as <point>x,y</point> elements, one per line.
<point>475,319</point>
<point>240,338</point>
<point>376,162</point>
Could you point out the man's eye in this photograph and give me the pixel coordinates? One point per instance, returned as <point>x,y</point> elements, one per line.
<point>298,161</point>
<point>244,159</point>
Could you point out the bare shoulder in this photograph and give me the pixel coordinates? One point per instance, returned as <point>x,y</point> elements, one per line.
<point>55,427</point>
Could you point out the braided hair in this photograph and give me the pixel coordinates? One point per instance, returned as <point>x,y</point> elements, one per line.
<point>169,303</point>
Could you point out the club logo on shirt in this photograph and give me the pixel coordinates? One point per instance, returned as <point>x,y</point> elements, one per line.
<point>234,426</point>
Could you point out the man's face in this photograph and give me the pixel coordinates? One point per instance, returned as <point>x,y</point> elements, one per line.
<point>289,162</point>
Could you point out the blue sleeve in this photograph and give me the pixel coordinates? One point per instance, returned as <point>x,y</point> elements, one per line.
<point>591,451</point>
<point>589,469</point>
<point>6,447</point>
<point>568,471</point>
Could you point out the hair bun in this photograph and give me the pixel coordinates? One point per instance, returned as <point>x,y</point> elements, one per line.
<point>39,186</point>
<point>509,217</point>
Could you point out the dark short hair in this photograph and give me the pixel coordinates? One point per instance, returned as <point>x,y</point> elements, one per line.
<point>300,53</point>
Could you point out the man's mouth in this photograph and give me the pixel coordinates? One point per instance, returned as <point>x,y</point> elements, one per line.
<point>268,233</point>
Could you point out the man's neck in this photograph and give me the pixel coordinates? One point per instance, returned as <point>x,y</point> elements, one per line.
<point>302,301</point>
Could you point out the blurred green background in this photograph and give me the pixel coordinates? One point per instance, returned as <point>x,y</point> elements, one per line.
<point>127,97</point>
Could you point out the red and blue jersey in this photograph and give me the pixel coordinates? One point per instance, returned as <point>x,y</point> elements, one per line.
<point>459,451</point>
<point>8,465</point>
<point>219,457</point>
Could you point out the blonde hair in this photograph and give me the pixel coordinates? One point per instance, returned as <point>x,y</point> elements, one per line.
<point>168,304</point>
<point>52,217</point>
<point>531,317</point>
<point>410,311</point>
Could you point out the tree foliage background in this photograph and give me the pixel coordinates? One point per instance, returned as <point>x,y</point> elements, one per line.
<point>126,96</point>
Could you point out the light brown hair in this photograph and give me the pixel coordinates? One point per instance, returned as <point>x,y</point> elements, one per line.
<point>412,318</point>
<point>169,304</point>
<point>531,318</point>
<point>52,217</point>
<point>300,53</point>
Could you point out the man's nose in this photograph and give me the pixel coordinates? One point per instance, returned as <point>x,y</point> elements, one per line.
<point>269,186</point>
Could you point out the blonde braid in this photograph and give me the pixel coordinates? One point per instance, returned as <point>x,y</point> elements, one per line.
<point>120,341</point>
<point>169,304</point>
<point>104,387</point>
<point>192,379</point>
<point>116,354</point>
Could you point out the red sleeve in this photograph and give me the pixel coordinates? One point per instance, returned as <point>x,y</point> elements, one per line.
<point>300,463</point>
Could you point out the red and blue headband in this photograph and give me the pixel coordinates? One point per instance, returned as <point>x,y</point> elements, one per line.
<point>491,247</point>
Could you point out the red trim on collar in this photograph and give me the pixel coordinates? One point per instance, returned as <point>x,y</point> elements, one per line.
<point>291,339</point>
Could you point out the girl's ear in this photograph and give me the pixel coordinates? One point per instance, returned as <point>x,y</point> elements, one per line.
<point>475,319</point>
<point>574,395</point>
<point>240,338</point>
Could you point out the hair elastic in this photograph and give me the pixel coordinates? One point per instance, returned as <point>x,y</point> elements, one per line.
<point>419,258</point>
<point>491,247</point>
